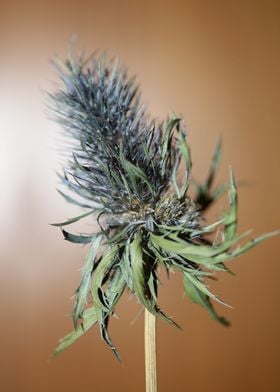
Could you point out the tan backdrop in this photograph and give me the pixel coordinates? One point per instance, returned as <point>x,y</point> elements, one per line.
<point>216,63</point>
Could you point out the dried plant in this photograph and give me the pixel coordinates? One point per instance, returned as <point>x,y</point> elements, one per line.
<point>124,169</point>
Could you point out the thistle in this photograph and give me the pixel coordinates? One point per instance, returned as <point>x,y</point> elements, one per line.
<point>133,175</point>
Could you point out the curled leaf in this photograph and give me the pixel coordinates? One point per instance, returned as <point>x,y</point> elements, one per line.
<point>77,239</point>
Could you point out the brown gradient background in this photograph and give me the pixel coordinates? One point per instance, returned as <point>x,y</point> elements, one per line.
<point>215,62</point>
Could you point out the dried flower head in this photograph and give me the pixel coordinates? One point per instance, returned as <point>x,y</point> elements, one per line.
<point>123,168</point>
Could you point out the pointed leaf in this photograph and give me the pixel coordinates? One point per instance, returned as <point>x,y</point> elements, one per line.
<point>214,165</point>
<point>104,266</point>
<point>89,319</point>
<point>115,289</point>
<point>166,229</point>
<point>77,239</point>
<point>244,248</point>
<point>199,297</point>
<point>103,319</point>
<point>177,245</point>
<point>135,172</point>
<point>73,220</point>
<point>166,140</point>
<point>126,267</point>
<point>185,151</point>
<point>141,275</point>
<point>202,288</point>
<point>71,200</point>
<point>231,216</point>
<point>138,273</point>
<point>84,287</point>
<point>174,178</point>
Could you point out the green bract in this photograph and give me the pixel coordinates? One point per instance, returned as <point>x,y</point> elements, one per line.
<point>124,169</point>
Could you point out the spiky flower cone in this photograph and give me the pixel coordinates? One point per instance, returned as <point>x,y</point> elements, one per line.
<point>123,168</point>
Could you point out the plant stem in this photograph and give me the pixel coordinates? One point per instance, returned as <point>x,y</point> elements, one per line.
<point>150,352</point>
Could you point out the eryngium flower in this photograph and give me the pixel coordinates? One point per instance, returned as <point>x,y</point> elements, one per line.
<point>124,169</point>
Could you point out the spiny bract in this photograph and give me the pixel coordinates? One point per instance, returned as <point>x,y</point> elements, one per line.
<point>123,168</point>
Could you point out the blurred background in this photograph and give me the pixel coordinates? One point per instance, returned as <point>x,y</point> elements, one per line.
<point>217,64</point>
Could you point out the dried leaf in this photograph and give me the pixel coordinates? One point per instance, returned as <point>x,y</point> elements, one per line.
<point>244,248</point>
<point>85,284</point>
<point>231,217</point>
<point>141,273</point>
<point>89,319</point>
<point>77,239</point>
<point>73,220</point>
<point>177,245</point>
<point>199,297</point>
<point>113,293</point>
<point>99,298</point>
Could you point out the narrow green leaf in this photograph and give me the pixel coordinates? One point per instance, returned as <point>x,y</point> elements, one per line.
<point>202,288</point>
<point>231,216</point>
<point>185,151</point>
<point>125,266</point>
<point>128,190</point>
<point>100,272</point>
<point>153,284</point>
<point>184,148</point>
<point>71,200</point>
<point>167,138</point>
<point>166,229</point>
<point>115,288</point>
<point>207,229</point>
<point>183,265</point>
<point>120,235</point>
<point>103,320</point>
<point>177,245</point>
<point>136,172</point>
<point>138,273</point>
<point>89,319</point>
<point>174,178</point>
<point>214,165</point>
<point>73,220</point>
<point>114,291</point>
<point>84,287</point>
<point>141,275</point>
<point>77,239</point>
<point>244,248</point>
<point>199,297</point>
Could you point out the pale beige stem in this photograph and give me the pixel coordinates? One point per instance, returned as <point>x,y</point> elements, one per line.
<point>150,352</point>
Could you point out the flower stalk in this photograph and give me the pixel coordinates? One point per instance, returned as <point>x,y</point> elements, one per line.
<point>150,352</point>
